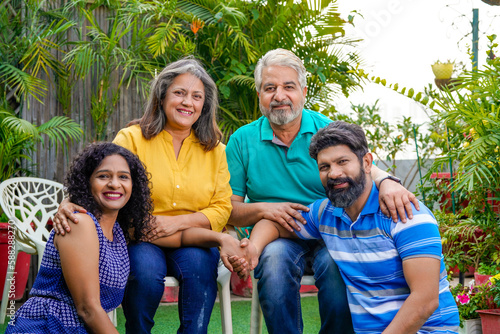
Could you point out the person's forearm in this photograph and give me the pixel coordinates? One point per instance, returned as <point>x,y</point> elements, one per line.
<point>412,315</point>
<point>263,233</point>
<point>202,237</point>
<point>245,214</point>
<point>96,319</point>
<point>186,221</point>
<point>195,236</point>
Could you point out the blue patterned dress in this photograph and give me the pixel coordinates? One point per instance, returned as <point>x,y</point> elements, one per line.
<point>50,308</point>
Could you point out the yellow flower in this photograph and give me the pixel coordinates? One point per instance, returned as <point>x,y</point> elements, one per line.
<point>494,278</point>
<point>473,133</point>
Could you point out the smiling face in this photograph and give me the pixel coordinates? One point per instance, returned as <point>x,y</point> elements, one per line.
<point>281,99</point>
<point>342,174</point>
<point>183,102</point>
<point>111,184</point>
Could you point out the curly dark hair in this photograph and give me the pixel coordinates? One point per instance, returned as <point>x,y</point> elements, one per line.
<point>137,213</point>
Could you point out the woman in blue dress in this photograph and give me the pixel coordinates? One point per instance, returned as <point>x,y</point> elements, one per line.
<point>83,275</point>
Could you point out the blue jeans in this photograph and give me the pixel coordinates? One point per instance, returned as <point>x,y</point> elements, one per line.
<point>281,267</point>
<point>194,268</point>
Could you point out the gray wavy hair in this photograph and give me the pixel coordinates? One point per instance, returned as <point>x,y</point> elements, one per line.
<point>154,119</point>
<point>280,57</point>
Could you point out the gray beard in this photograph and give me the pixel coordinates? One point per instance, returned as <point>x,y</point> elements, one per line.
<point>281,116</point>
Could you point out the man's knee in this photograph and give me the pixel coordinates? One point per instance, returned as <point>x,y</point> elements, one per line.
<point>323,263</point>
<point>282,259</point>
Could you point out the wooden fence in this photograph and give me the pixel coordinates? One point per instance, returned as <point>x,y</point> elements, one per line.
<point>53,165</point>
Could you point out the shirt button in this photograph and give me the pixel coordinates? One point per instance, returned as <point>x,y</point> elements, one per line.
<point>175,204</point>
<point>177,186</point>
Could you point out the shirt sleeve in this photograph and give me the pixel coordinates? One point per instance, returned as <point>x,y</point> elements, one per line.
<point>310,231</point>
<point>418,237</point>
<point>220,207</point>
<point>125,140</point>
<point>236,165</point>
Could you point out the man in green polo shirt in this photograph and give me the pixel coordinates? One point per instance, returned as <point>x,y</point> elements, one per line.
<point>270,166</point>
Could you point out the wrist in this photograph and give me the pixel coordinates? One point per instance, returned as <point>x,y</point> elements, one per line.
<point>262,209</point>
<point>259,248</point>
<point>222,238</point>
<point>391,178</point>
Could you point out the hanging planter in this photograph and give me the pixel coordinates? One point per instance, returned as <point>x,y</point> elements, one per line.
<point>492,2</point>
<point>443,73</point>
<point>442,70</point>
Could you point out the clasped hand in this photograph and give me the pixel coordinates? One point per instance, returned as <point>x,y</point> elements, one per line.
<point>243,265</point>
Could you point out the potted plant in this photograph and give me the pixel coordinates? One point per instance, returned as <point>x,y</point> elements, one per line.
<point>471,238</point>
<point>490,316</point>
<point>470,299</point>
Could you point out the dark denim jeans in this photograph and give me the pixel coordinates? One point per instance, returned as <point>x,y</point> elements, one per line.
<point>281,267</point>
<point>194,268</point>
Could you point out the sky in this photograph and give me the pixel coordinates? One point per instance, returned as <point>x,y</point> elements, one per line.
<point>402,38</point>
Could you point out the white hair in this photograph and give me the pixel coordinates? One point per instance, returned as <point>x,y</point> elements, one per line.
<point>280,57</point>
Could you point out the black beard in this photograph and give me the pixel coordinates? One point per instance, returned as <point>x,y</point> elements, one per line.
<point>345,197</point>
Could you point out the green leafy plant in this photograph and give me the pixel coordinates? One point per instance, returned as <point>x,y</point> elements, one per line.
<point>230,38</point>
<point>470,237</point>
<point>470,299</point>
<point>495,289</point>
<point>32,34</point>
<point>386,141</point>
<point>18,139</point>
<point>471,113</point>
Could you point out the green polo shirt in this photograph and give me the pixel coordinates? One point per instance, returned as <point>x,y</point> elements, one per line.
<point>265,171</point>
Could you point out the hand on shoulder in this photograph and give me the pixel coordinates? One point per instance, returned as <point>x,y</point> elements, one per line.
<point>82,232</point>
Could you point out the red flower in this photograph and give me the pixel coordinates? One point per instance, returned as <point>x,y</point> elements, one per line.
<point>196,25</point>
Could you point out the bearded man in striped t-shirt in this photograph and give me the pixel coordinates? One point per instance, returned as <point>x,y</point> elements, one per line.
<point>394,273</point>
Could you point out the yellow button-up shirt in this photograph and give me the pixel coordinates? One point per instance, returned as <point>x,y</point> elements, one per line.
<point>197,181</point>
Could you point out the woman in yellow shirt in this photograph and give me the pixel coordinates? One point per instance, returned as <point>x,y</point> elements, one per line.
<point>178,140</point>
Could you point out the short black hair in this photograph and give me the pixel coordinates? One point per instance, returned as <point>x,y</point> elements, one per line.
<point>339,133</point>
<point>137,213</point>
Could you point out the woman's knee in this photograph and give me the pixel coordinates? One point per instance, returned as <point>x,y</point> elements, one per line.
<point>147,263</point>
<point>201,263</point>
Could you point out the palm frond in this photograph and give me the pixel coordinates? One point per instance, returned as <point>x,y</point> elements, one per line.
<point>243,80</point>
<point>24,83</point>
<point>61,131</point>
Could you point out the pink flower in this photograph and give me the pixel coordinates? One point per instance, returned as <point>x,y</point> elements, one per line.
<point>463,299</point>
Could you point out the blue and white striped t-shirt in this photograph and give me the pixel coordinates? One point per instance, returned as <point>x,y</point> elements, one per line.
<point>370,252</point>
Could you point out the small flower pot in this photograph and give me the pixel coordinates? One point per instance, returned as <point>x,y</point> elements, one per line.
<point>490,321</point>
<point>481,279</point>
<point>471,326</point>
<point>442,71</point>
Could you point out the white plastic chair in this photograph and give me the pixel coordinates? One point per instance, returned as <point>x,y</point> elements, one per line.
<point>256,312</point>
<point>36,201</point>
<point>223,280</point>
